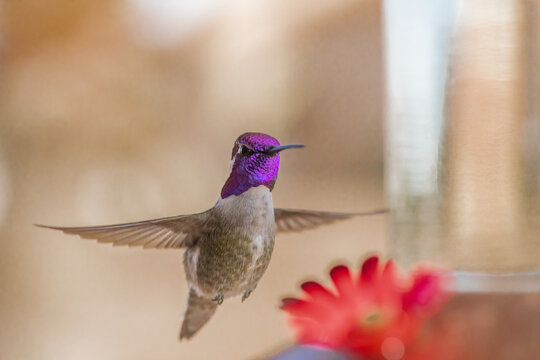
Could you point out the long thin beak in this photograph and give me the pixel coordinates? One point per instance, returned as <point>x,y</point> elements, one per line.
<point>279,148</point>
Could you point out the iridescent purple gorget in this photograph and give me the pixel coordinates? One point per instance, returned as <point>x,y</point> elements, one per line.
<point>255,162</point>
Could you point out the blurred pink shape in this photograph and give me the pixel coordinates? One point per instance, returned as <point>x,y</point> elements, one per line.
<point>374,315</point>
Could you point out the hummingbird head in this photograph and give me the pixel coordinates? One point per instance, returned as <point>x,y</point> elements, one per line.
<point>254,162</point>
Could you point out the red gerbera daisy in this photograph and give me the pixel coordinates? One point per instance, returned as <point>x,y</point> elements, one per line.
<point>373,315</point>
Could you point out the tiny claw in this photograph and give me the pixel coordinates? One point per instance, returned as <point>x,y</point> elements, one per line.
<point>218,299</point>
<point>246,295</point>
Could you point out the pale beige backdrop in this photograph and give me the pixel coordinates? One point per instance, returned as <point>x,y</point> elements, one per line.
<point>106,117</point>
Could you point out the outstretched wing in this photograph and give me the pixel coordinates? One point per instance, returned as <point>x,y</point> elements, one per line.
<point>298,220</point>
<point>165,233</point>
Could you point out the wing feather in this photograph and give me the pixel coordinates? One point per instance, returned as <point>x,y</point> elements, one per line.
<point>298,220</point>
<point>165,233</point>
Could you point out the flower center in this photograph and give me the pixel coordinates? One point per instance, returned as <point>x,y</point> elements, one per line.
<point>373,320</point>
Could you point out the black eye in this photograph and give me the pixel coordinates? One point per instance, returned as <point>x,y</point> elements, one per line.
<point>246,151</point>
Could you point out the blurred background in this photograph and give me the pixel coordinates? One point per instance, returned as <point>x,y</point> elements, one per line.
<point>122,110</point>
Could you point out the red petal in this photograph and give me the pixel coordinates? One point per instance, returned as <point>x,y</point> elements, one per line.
<point>316,290</point>
<point>390,288</point>
<point>317,310</point>
<point>368,281</point>
<point>327,303</point>
<point>341,277</point>
<point>427,293</point>
<point>389,271</point>
<point>287,301</point>
<point>369,269</point>
<point>293,306</point>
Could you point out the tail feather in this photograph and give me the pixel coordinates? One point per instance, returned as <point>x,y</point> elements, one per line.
<point>199,311</point>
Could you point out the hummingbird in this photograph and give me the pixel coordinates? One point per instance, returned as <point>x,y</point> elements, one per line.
<point>228,247</point>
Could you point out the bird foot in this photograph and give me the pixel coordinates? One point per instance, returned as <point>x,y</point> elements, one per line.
<point>218,299</point>
<point>246,295</point>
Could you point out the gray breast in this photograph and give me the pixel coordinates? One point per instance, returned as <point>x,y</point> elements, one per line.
<point>251,212</point>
